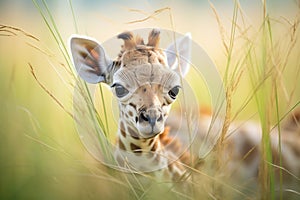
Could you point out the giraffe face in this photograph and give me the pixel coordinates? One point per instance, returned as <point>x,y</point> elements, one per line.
<point>145,78</point>
<point>145,94</point>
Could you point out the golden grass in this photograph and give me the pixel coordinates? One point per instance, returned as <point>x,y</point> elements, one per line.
<point>259,62</point>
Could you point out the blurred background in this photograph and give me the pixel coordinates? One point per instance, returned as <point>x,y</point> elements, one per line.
<point>41,155</point>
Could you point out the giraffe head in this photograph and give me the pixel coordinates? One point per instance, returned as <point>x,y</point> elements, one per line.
<point>144,78</point>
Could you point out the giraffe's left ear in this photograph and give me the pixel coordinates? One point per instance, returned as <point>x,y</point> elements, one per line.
<point>181,49</point>
<point>89,58</point>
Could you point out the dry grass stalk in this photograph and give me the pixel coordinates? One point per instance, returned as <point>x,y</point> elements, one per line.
<point>48,92</point>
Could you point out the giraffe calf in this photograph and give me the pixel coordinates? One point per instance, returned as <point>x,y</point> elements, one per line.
<point>146,80</point>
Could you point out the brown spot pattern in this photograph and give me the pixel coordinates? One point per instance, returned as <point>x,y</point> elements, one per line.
<point>154,147</point>
<point>123,133</point>
<point>133,133</point>
<point>130,114</point>
<point>121,145</point>
<point>122,127</point>
<point>136,149</point>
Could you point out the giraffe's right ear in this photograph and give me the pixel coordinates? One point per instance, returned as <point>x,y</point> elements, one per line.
<point>89,58</point>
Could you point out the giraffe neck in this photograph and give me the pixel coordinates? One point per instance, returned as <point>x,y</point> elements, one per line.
<point>129,140</point>
<point>146,155</point>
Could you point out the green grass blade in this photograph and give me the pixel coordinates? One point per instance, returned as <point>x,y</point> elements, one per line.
<point>73,16</point>
<point>279,143</point>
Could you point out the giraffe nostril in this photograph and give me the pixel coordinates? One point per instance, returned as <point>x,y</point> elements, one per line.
<point>160,118</point>
<point>143,117</point>
<point>150,117</point>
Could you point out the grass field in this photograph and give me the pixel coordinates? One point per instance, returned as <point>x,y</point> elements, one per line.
<point>254,45</point>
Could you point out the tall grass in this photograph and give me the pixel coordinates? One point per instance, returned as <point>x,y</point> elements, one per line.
<point>250,53</point>
<point>257,60</point>
<point>87,103</point>
<point>265,66</point>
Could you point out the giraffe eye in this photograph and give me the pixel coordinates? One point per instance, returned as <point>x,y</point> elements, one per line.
<point>174,92</point>
<point>120,90</point>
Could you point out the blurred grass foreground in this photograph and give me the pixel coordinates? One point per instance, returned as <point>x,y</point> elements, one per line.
<point>254,44</point>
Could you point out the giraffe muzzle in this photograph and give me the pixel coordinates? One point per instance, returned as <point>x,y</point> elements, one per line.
<point>151,122</point>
